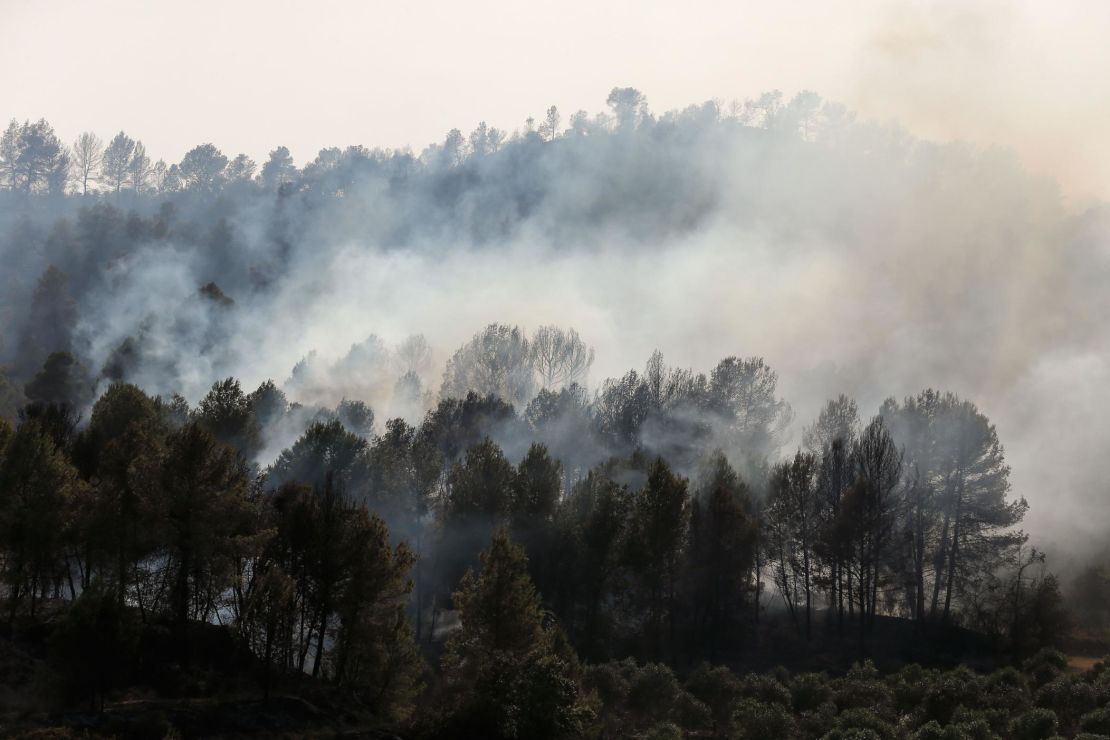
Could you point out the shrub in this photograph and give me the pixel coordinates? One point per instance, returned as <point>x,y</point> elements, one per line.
<point>853,734</point>
<point>1045,665</point>
<point>607,680</point>
<point>817,722</point>
<point>653,692</point>
<point>809,691</point>
<point>1036,724</point>
<point>852,692</point>
<point>977,724</point>
<point>909,686</point>
<point>948,692</point>
<point>717,688</point>
<point>865,719</point>
<point>757,720</point>
<point>1097,722</point>
<point>765,688</point>
<point>664,731</point>
<point>1068,696</point>
<point>931,730</point>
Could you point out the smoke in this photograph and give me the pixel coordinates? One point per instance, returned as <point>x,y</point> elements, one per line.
<point>1001,72</point>
<point>853,257</point>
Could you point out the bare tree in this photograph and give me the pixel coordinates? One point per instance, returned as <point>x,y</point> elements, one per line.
<point>497,361</point>
<point>88,151</point>
<point>793,518</point>
<point>560,357</point>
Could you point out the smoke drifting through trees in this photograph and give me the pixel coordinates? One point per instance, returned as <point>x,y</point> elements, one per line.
<point>854,258</point>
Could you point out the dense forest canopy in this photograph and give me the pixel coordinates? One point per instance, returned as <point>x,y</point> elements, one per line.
<point>683,388</point>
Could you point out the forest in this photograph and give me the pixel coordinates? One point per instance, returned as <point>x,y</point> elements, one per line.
<point>224,513</point>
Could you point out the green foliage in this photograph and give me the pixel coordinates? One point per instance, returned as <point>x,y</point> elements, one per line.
<point>765,688</point>
<point>863,719</point>
<point>947,692</point>
<point>374,649</point>
<point>1096,721</point>
<point>1069,696</point>
<point>37,487</point>
<point>665,731</point>
<point>226,413</point>
<point>502,675</point>
<point>862,687</point>
<point>1045,665</point>
<point>1036,724</point>
<point>718,689</point>
<point>757,720</point>
<point>808,691</point>
<point>325,448</point>
<point>482,486</point>
<point>208,517</point>
<point>657,532</point>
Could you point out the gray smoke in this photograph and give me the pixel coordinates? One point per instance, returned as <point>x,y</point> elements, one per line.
<point>854,258</point>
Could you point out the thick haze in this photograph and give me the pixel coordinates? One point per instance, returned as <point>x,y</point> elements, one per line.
<point>253,74</point>
<point>868,264</point>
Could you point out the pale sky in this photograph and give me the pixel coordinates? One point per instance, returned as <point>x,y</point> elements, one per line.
<point>249,75</point>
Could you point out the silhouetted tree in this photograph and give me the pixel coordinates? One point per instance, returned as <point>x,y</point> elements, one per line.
<point>207,511</point>
<point>504,677</point>
<point>656,538</point>
<point>115,165</point>
<point>202,168</point>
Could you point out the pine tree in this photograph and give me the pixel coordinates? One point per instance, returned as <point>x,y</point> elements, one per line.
<point>504,676</point>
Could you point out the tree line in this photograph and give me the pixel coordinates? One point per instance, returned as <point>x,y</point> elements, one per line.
<point>354,552</point>
<point>33,159</point>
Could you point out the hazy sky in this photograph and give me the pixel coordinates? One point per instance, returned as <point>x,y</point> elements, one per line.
<point>252,74</point>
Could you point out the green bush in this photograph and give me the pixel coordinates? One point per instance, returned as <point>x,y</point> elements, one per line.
<point>817,722</point>
<point>865,719</point>
<point>909,686</point>
<point>1097,722</point>
<point>978,724</point>
<point>853,734</point>
<point>948,692</point>
<point>664,731</point>
<point>765,688</point>
<point>809,691</point>
<point>757,720</point>
<point>608,681</point>
<point>1045,665</point>
<point>1069,696</point>
<point>932,730</point>
<point>653,692</point>
<point>1036,724</point>
<point>871,693</point>
<point>718,689</point>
